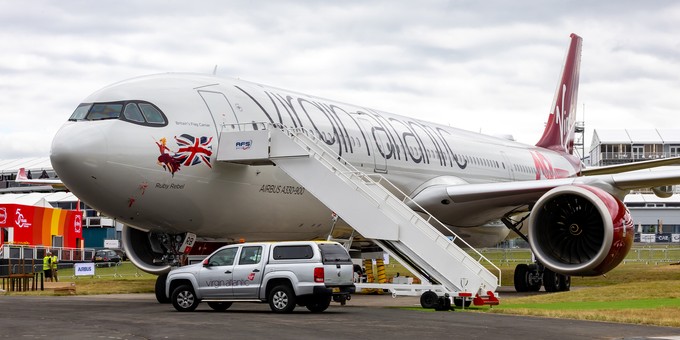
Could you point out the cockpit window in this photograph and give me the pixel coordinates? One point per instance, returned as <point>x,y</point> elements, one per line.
<point>105,111</point>
<point>80,112</point>
<point>151,114</point>
<point>135,111</point>
<point>132,113</point>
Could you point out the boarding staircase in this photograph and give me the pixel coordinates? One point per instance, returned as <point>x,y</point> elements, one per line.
<point>370,204</point>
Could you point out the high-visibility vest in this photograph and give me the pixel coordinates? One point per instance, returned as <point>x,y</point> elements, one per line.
<point>54,260</point>
<point>46,262</point>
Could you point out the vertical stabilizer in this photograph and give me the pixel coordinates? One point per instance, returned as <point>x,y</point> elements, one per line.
<point>559,130</point>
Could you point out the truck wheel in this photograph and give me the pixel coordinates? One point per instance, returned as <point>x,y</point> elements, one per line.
<point>219,306</point>
<point>318,304</point>
<point>184,299</point>
<point>282,299</point>
<point>429,299</point>
<point>159,289</point>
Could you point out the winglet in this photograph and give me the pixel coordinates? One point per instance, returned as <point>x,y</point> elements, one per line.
<point>21,175</point>
<point>559,130</point>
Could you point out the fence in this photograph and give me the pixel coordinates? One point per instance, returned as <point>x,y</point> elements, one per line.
<point>27,253</point>
<point>66,270</point>
<point>638,254</point>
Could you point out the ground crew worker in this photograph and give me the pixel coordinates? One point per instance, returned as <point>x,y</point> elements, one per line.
<point>53,263</point>
<point>47,266</point>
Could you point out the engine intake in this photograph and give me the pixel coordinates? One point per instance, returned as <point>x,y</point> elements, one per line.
<point>144,251</point>
<point>580,230</point>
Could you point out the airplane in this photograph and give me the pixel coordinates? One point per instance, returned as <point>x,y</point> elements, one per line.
<point>143,150</point>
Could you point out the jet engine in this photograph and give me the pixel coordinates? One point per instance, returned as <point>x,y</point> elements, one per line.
<point>146,250</point>
<point>580,230</point>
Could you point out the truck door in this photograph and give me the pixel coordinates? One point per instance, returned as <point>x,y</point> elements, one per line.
<point>215,278</point>
<point>248,273</point>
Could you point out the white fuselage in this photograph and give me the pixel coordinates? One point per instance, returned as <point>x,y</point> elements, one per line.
<point>117,167</point>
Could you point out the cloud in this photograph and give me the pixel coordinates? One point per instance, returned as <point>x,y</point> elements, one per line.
<point>488,66</point>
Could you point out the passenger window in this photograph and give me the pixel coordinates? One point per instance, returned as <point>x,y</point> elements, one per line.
<point>151,114</point>
<point>224,257</point>
<point>132,113</point>
<point>105,111</point>
<point>250,255</point>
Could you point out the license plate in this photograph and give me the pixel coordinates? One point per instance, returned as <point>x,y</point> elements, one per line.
<point>336,290</point>
<point>97,258</point>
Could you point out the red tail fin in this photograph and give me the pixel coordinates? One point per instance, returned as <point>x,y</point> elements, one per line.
<point>559,131</point>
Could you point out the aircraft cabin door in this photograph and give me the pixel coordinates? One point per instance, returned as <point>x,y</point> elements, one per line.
<point>376,138</point>
<point>508,165</point>
<point>223,116</point>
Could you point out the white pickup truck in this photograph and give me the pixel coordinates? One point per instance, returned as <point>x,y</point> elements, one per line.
<point>284,274</point>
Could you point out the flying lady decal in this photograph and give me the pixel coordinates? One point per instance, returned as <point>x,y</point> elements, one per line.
<point>191,151</point>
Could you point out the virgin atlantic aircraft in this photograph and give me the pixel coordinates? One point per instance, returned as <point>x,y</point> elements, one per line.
<point>143,150</point>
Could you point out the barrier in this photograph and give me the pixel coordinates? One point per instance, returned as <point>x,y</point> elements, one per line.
<point>647,254</point>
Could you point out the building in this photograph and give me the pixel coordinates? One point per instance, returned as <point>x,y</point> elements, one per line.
<point>95,228</point>
<point>659,217</point>
<point>611,147</point>
<point>28,219</point>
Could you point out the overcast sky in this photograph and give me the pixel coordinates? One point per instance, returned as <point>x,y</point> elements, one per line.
<point>489,66</point>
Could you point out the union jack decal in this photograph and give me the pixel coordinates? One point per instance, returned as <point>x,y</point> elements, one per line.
<point>193,150</point>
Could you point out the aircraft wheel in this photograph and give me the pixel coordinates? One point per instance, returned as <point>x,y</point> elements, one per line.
<point>159,289</point>
<point>551,280</point>
<point>429,299</point>
<point>565,283</point>
<point>522,278</point>
<point>534,280</point>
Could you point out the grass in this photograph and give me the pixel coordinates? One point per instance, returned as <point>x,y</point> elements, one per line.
<point>640,292</point>
<point>651,302</point>
<point>122,279</point>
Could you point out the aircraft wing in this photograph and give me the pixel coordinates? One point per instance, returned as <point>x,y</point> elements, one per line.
<point>641,165</point>
<point>23,179</point>
<point>475,204</point>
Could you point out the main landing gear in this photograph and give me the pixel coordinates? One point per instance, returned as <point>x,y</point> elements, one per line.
<point>530,277</point>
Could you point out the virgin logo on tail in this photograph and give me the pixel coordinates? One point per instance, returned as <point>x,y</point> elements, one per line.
<point>565,121</point>
<point>559,132</point>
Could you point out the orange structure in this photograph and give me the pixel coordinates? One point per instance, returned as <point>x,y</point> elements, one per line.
<point>33,225</point>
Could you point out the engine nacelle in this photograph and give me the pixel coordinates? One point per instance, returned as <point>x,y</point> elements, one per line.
<point>144,251</point>
<point>580,230</point>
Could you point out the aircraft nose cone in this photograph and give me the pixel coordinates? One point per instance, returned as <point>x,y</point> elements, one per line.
<point>78,153</point>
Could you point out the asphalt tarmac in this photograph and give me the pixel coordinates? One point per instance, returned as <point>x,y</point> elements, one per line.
<point>139,316</point>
